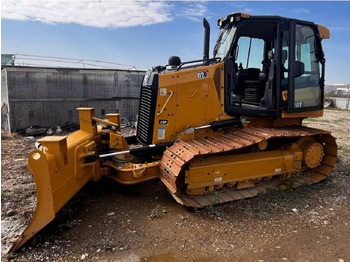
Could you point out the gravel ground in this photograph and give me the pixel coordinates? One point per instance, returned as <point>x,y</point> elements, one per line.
<point>110,222</point>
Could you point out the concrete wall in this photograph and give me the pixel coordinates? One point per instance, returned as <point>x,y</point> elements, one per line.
<point>49,96</point>
<point>341,102</point>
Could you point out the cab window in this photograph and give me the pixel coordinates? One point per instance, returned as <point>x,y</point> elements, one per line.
<point>307,90</point>
<point>250,52</point>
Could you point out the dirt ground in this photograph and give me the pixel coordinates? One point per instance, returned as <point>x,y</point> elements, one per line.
<point>110,222</point>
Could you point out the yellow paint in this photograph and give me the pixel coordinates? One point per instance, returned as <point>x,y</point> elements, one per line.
<point>59,171</point>
<point>316,113</point>
<point>190,100</point>
<point>218,170</point>
<point>324,32</point>
<point>130,173</point>
<point>284,95</point>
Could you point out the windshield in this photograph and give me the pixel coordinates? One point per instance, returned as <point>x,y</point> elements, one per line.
<point>224,42</point>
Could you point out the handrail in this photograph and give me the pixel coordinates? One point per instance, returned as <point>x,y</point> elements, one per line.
<point>166,102</point>
<point>214,59</point>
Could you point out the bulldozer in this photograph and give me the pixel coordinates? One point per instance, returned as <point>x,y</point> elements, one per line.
<point>213,130</point>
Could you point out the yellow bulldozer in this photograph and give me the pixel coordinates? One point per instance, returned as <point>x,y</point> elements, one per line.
<point>214,130</point>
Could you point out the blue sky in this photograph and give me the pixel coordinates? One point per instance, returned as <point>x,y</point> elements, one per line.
<point>145,34</point>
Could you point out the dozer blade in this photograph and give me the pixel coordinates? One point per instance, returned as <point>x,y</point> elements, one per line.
<point>45,211</point>
<point>59,171</point>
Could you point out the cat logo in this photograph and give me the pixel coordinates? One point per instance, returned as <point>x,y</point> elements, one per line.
<point>163,122</point>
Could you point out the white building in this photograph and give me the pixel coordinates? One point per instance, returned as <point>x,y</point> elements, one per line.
<point>342,88</point>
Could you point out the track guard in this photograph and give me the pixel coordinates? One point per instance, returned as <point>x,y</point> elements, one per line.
<point>175,158</point>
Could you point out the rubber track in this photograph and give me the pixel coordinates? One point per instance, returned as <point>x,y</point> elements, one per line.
<point>176,156</point>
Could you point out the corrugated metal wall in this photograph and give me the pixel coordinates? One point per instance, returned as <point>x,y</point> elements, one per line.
<point>49,97</point>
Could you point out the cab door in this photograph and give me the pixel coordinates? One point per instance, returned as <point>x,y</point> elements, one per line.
<point>305,68</point>
<point>252,71</point>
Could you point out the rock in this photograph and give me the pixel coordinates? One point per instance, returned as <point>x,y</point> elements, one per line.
<point>178,223</point>
<point>35,131</point>
<point>83,256</point>
<point>50,132</point>
<point>155,212</point>
<point>10,213</point>
<point>58,130</point>
<point>183,217</point>
<point>20,159</point>
<point>29,139</point>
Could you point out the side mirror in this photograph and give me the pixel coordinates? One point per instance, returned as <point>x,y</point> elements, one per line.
<point>299,68</point>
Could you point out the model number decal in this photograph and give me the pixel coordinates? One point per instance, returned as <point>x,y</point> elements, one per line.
<point>201,75</point>
<point>163,122</point>
<point>218,179</point>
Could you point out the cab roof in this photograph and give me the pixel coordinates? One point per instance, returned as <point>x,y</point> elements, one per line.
<point>238,17</point>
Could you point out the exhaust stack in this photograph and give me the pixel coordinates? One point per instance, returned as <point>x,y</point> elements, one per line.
<point>206,40</point>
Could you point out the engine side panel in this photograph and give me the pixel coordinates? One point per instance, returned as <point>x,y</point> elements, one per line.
<point>190,97</point>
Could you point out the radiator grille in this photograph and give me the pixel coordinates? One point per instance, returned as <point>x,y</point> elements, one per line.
<point>145,123</point>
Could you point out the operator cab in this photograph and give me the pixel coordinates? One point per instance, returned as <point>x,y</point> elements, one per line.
<point>272,64</point>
